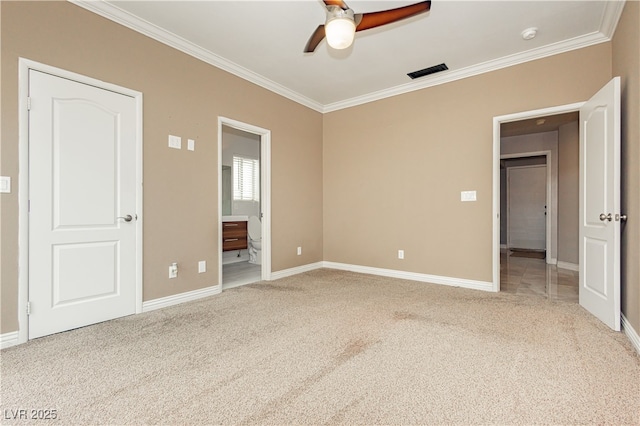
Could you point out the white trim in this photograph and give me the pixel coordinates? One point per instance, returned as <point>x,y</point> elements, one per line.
<point>567,265</point>
<point>165,302</point>
<point>24,65</point>
<point>9,339</point>
<point>296,270</point>
<point>413,276</point>
<point>497,121</point>
<point>265,190</point>
<point>548,199</point>
<point>552,201</point>
<point>611,15</point>
<point>489,66</point>
<point>122,17</point>
<point>632,334</point>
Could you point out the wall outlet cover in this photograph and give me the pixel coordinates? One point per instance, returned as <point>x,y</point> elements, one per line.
<point>175,142</point>
<point>5,184</point>
<point>191,145</point>
<point>173,270</point>
<point>467,195</point>
<point>202,266</point>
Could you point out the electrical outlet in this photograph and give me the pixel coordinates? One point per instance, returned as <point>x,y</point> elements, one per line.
<point>299,251</point>
<point>191,144</point>
<point>400,254</point>
<point>202,266</point>
<point>173,270</point>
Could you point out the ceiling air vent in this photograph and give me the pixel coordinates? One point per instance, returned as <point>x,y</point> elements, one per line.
<point>431,70</point>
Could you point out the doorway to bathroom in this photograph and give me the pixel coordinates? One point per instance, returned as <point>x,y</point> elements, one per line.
<point>243,203</point>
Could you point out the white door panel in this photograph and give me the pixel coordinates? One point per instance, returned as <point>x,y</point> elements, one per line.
<point>600,197</point>
<point>89,151</point>
<point>82,177</point>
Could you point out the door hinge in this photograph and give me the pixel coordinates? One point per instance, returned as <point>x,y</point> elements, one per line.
<point>28,103</point>
<point>28,308</point>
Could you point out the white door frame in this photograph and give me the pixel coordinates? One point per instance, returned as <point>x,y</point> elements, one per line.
<point>265,191</point>
<point>548,236</point>
<point>497,121</point>
<point>24,65</point>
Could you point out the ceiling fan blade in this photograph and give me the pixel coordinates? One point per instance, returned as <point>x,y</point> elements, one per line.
<point>315,39</point>
<point>342,5</point>
<point>376,19</point>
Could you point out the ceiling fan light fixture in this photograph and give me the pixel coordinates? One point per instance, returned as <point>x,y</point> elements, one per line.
<point>340,28</point>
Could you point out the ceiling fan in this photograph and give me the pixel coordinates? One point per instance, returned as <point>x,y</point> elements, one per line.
<point>342,22</point>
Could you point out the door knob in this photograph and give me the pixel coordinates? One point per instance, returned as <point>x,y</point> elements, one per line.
<point>621,217</point>
<point>604,217</point>
<point>127,218</point>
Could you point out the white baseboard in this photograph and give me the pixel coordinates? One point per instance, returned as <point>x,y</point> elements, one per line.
<point>297,270</point>
<point>8,339</point>
<point>568,265</point>
<point>633,336</point>
<point>164,302</point>
<point>434,279</point>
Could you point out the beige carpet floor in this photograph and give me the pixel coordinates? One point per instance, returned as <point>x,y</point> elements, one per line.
<point>332,347</point>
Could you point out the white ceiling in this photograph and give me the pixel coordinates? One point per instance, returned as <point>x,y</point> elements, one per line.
<point>263,41</point>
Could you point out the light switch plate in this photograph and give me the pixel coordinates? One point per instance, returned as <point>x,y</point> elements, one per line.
<point>468,196</point>
<point>202,266</point>
<point>175,142</point>
<point>5,184</point>
<point>191,145</point>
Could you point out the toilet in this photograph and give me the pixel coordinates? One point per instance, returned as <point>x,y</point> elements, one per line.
<point>254,231</point>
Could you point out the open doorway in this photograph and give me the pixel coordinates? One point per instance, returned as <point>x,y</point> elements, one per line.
<point>243,203</point>
<point>538,205</point>
<point>599,215</point>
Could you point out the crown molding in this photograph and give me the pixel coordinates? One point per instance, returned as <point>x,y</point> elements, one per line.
<point>122,17</point>
<point>453,75</point>
<point>610,18</point>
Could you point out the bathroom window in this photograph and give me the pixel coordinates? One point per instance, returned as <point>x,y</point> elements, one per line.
<point>246,179</point>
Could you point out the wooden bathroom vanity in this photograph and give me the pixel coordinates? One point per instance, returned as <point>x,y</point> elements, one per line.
<point>234,235</point>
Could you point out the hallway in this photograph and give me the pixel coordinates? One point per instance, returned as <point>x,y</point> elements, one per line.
<point>522,275</point>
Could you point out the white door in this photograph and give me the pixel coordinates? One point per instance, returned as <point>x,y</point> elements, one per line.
<point>526,200</point>
<point>600,205</point>
<point>82,186</point>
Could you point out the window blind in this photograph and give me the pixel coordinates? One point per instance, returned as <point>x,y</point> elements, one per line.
<point>246,179</point>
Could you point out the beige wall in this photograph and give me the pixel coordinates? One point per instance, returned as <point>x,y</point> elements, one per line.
<point>394,168</point>
<point>568,177</point>
<point>182,96</point>
<point>626,64</point>
<point>353,186</point>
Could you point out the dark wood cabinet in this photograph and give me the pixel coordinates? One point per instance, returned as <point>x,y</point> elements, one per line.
<point>234,235</point>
